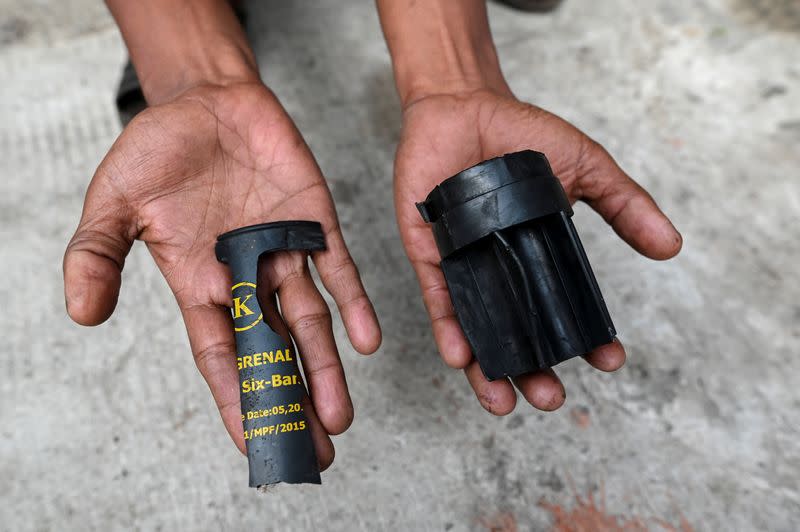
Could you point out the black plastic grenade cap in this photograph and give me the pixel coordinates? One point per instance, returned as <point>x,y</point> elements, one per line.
<point>519,279</point>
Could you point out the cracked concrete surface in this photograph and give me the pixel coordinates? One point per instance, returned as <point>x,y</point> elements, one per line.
<point>700,101</point>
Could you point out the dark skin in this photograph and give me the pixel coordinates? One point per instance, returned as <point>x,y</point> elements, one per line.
<point>215,150</point>
<point>443,133</point>
<point>458,110</point>
<point>180,174</point>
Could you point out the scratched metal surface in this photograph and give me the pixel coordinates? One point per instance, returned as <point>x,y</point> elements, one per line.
<point>700,102</point>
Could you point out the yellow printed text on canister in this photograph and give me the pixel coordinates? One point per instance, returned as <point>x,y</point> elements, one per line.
<point>243,317</point>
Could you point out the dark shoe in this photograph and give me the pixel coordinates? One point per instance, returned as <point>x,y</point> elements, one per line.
<point>130,99</point>
<point>537,6</point>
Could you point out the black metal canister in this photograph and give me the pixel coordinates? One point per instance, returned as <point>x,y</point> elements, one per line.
<point>278,438</point>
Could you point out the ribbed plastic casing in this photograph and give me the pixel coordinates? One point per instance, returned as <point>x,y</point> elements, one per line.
<point>518,276</point>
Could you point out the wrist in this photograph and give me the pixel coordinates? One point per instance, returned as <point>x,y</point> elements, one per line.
<point>467,75</point>
<point>222,63</point>
<point>440,47</point>
<point>176,45</point>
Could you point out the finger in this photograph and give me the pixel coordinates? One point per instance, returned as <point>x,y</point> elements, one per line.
<point>340,276</point>
<point>542,389</point>
<point>269,306</point>
<point>447,332</point>
<point>626,206</point>
<point>211,337</point>
<point>96,254</point>
<point>323,445</point>
<point>497,396</point>
<point>309,320</point>
<point>609,357</point>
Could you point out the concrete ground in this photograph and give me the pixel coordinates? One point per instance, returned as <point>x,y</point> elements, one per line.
<point>700,101</point>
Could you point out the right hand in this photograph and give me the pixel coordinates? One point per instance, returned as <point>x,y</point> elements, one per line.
<point>214,159</point>
<point>446,133</point>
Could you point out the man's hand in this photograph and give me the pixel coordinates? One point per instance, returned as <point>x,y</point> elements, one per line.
<point>214,159</point>
<point>444,134</point>
<point>459,111</point>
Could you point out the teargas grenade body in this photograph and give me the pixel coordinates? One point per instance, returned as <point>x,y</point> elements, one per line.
<point>276,430</point>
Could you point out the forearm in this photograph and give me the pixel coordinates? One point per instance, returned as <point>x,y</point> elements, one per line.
<point>440,46</point>
<point>178,44</point>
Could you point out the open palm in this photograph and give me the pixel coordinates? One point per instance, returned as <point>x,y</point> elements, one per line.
<point>180,174</point>
<point>444,134</point>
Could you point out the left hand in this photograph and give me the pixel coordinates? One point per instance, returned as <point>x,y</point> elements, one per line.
<point>446,133</point>
<point>215,158</point>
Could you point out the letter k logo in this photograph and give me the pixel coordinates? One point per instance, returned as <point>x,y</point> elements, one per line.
<point>245,317</point>
<point>240,307</point>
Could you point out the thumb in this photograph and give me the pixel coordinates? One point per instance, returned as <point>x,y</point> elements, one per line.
<point>626,206</point>
<point>95,256</point>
